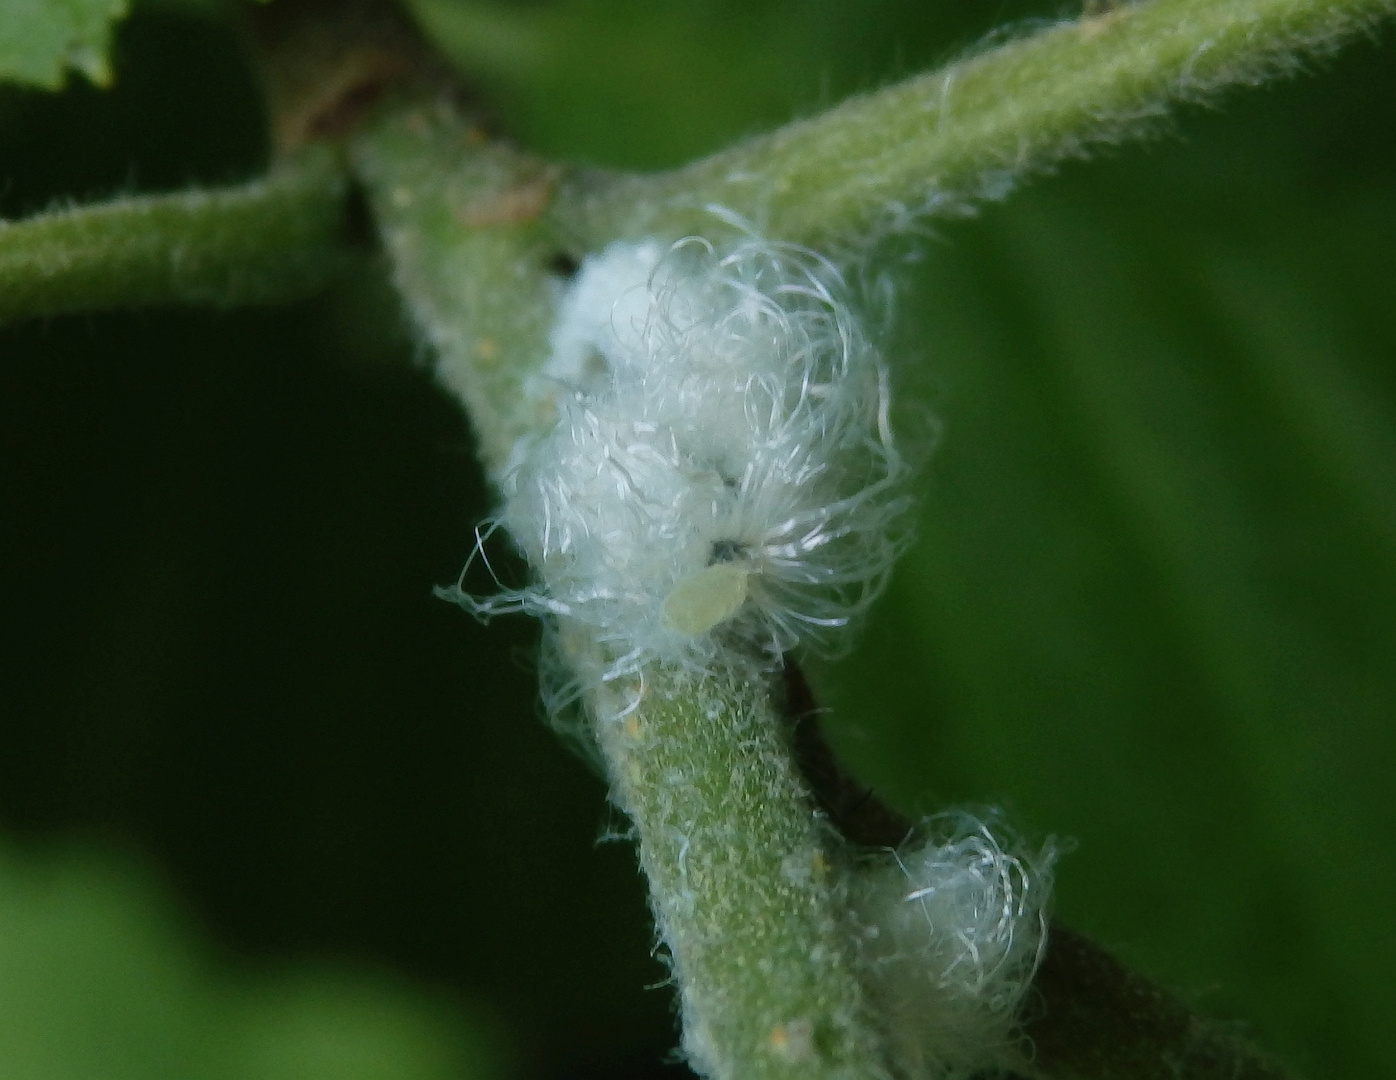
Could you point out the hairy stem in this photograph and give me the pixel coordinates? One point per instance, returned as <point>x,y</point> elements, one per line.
<point>275,239</point>
<point>741,881</point>
<point>743,878</point>
<point>942,141</point>
<point>461,217</point>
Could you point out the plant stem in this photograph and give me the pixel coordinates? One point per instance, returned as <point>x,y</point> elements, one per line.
<point>741,880</point>
<point>943,141</point>
<point>274,239</point>
<point>461,217</point>
<point>1097,1020</point>
<point>744,878</point>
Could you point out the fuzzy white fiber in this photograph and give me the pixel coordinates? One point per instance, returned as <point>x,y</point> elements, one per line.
<point>721,476</point>
<point>952,932</point>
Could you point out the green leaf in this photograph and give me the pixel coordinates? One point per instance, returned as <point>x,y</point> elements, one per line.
<point>40,40</point>
<point>103,979</point>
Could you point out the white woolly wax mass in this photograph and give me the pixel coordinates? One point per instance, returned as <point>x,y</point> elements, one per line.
<point>952,930</point>
<point>721,478</point>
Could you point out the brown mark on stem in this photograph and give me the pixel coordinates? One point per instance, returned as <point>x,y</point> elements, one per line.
<point>326,63</point>
<point>515,205</point>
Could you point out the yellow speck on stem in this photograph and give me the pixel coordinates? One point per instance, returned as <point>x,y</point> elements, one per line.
<point>793,1041</point>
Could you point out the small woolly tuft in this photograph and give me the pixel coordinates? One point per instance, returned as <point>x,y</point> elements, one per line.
<point>951,933</point>
<point>721,476</point>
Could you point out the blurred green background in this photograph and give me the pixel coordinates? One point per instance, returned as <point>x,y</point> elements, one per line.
<point>266,802</point>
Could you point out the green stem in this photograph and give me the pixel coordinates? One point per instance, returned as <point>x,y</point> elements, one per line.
<point>744,879</point>
<point>275,239</point>
<point>461,217</point>
<point>942,141</point>
<point>741,880</point>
